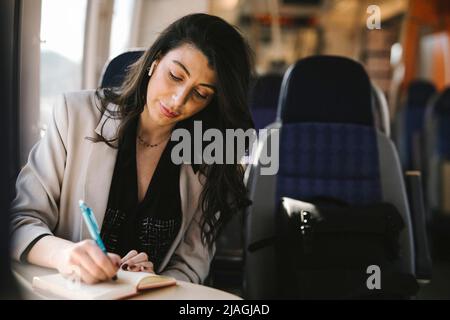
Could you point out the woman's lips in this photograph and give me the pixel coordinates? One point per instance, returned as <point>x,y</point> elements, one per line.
<point>165,111</point>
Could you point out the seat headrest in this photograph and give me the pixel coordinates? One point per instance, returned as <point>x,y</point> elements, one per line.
<point>442,104</point>
<point>266,91</point>
<point>116,69</point>
<point>419,91</point>
<point>326,89</point>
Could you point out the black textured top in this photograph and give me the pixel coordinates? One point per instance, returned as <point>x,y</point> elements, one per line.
<point>151,225</point>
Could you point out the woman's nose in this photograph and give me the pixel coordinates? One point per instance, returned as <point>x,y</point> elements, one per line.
<point>179,98</point>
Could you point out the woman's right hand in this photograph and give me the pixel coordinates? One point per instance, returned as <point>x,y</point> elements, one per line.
<point>87,261</point>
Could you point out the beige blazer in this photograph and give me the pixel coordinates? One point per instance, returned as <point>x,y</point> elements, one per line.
<point>64,167</point>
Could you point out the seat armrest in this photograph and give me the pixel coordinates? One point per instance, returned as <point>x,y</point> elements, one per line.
<point>418,217</point>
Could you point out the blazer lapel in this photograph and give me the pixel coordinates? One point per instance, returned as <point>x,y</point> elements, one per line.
<point>100,169</point>
<point>184,187</point>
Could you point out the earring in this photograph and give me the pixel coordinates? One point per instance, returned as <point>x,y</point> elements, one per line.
<point>150,70</point>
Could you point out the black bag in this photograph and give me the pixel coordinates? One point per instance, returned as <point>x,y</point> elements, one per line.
<point>324,251</point>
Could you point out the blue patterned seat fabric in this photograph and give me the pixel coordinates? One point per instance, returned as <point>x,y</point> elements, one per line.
<point>331,160</point>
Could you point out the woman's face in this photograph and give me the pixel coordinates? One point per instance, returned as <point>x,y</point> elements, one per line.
<point>181,85</point>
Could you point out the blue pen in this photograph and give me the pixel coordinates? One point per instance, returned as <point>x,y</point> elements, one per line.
<point>92,225</point>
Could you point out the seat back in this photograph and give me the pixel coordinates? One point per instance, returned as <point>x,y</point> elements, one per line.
<point>437,150</point>
<point>410,121</point>
<point>381,110</point>
<point>337,85</point>
<point>264,99</point>
<point>115,70</point>
<point>442,112</point>
<point>329,147</point>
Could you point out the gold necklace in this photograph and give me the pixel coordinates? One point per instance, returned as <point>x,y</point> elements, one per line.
<point>149,145</point>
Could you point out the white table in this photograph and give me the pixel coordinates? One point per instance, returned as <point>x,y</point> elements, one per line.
<point>24,274</point>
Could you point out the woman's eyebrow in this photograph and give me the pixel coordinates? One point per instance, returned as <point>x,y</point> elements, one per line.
<point>189,74</point>
<point>182,66</point>
<point>208,86</point>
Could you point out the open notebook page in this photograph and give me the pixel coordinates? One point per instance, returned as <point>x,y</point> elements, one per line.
<point>126,285</point>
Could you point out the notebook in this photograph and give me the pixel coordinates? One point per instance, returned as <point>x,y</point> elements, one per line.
<point>128,284</point>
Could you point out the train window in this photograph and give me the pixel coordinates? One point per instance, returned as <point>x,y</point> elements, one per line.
<point>61,52</point>
<point>121,26</point>
<point>434,58</point>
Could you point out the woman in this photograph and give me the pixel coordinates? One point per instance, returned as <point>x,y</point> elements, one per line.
<point>112,148</point>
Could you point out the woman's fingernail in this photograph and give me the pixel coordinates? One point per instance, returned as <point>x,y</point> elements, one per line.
<point>125,266</point>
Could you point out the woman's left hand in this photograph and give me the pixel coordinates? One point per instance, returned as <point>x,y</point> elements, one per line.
<point>134,261</point>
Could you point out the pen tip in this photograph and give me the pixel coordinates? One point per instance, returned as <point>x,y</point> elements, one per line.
<point>81,203</point>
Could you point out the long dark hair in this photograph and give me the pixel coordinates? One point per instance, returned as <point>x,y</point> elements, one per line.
<point>231,58</point>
